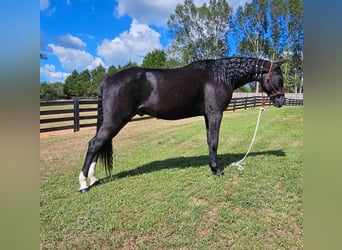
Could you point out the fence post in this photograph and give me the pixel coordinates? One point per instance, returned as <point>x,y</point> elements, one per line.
<point>76,115</point>
<point>246,102</point>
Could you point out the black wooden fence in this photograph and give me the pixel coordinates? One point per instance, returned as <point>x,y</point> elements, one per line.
<point>76,114</point>
<point>69,115</point>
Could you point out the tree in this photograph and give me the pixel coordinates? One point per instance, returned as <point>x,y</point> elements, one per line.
<point>71,84</point>
<point>97,75</point>
<point>295,42</point>
<point>128,65</point>
<point>58,89</point>
<point>46,92</point>
<point>83,83</point>
<point>199,32</point>
<point>154,59</point>
<point>278,27</point>
<point>111,70</point>
<point>251,25</point>
<point>273,28</point>
<point>51,91</point>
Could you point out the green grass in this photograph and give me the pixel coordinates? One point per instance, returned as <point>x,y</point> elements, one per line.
<point>162,194</point>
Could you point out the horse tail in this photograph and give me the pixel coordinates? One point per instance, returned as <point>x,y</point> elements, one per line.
<point>106,151</point>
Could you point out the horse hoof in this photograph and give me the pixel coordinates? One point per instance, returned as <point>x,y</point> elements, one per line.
<point>219,173</point>
<point>95,183</point>
<point>84,190</point>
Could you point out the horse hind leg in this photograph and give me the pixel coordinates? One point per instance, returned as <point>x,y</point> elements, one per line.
<point>93,181</point>
<point>89,166</point>
<point>105,133</point>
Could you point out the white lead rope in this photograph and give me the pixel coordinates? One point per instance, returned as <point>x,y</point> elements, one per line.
<point>240,162</point>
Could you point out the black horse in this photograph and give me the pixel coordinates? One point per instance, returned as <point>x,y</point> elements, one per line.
<point>200,88</point>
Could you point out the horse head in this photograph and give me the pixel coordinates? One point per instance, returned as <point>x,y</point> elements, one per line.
<point>272,84</point>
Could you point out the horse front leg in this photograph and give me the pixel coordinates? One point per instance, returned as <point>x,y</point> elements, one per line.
<point>213,122</point>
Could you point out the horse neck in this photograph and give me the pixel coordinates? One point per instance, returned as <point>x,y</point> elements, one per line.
<point>247,70</point>
<point>236,71</point>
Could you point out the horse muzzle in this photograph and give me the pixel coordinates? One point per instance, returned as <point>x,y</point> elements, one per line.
<point>278,100</point>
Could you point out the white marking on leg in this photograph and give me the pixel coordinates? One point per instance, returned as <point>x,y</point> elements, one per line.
<point>92,172</point>
<point>83,181</point>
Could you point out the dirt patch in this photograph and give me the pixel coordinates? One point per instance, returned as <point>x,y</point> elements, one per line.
<point>206,228</point>
<point>197,202</point>
<point>235,179</point>
<point>271,211</point>
<point>63,132</point>
<point>297,229</point>
<point>138,240</point>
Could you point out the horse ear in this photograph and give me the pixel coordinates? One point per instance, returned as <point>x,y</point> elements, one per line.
<point>279,63</point>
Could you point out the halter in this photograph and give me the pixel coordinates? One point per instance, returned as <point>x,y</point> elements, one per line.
<point>268,80</point>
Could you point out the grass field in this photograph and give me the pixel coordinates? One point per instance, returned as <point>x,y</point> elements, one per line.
<point>162,194</point>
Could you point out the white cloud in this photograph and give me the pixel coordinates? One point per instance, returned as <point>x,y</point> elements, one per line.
<point>130,45</point>
<point>44,4</point>
<point>49,72</point>
<point>75,59</point>
<point>157,12</point>
<point>150,12</point>
<point>70,41</point>
<point>147,12</point>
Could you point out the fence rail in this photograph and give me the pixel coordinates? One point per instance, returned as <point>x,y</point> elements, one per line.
<point>77,114</point>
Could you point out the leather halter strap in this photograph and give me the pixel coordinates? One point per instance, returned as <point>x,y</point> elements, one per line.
<point>268,80</point>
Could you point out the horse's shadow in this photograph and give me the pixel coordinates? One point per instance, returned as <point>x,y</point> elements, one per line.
<point>185,162</point>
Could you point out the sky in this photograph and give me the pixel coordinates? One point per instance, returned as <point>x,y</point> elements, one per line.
<point>79,35</point>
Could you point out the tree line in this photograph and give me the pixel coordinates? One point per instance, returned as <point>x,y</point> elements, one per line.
<point>270,29</point>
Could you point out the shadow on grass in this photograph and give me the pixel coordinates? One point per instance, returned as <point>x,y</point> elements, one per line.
<point>186,162</point>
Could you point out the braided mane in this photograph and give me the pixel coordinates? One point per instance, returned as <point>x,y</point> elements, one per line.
<point>233,69</point>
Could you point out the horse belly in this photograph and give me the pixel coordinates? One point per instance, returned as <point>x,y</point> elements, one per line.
<point>180,113</point>
<point>172,106</point>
